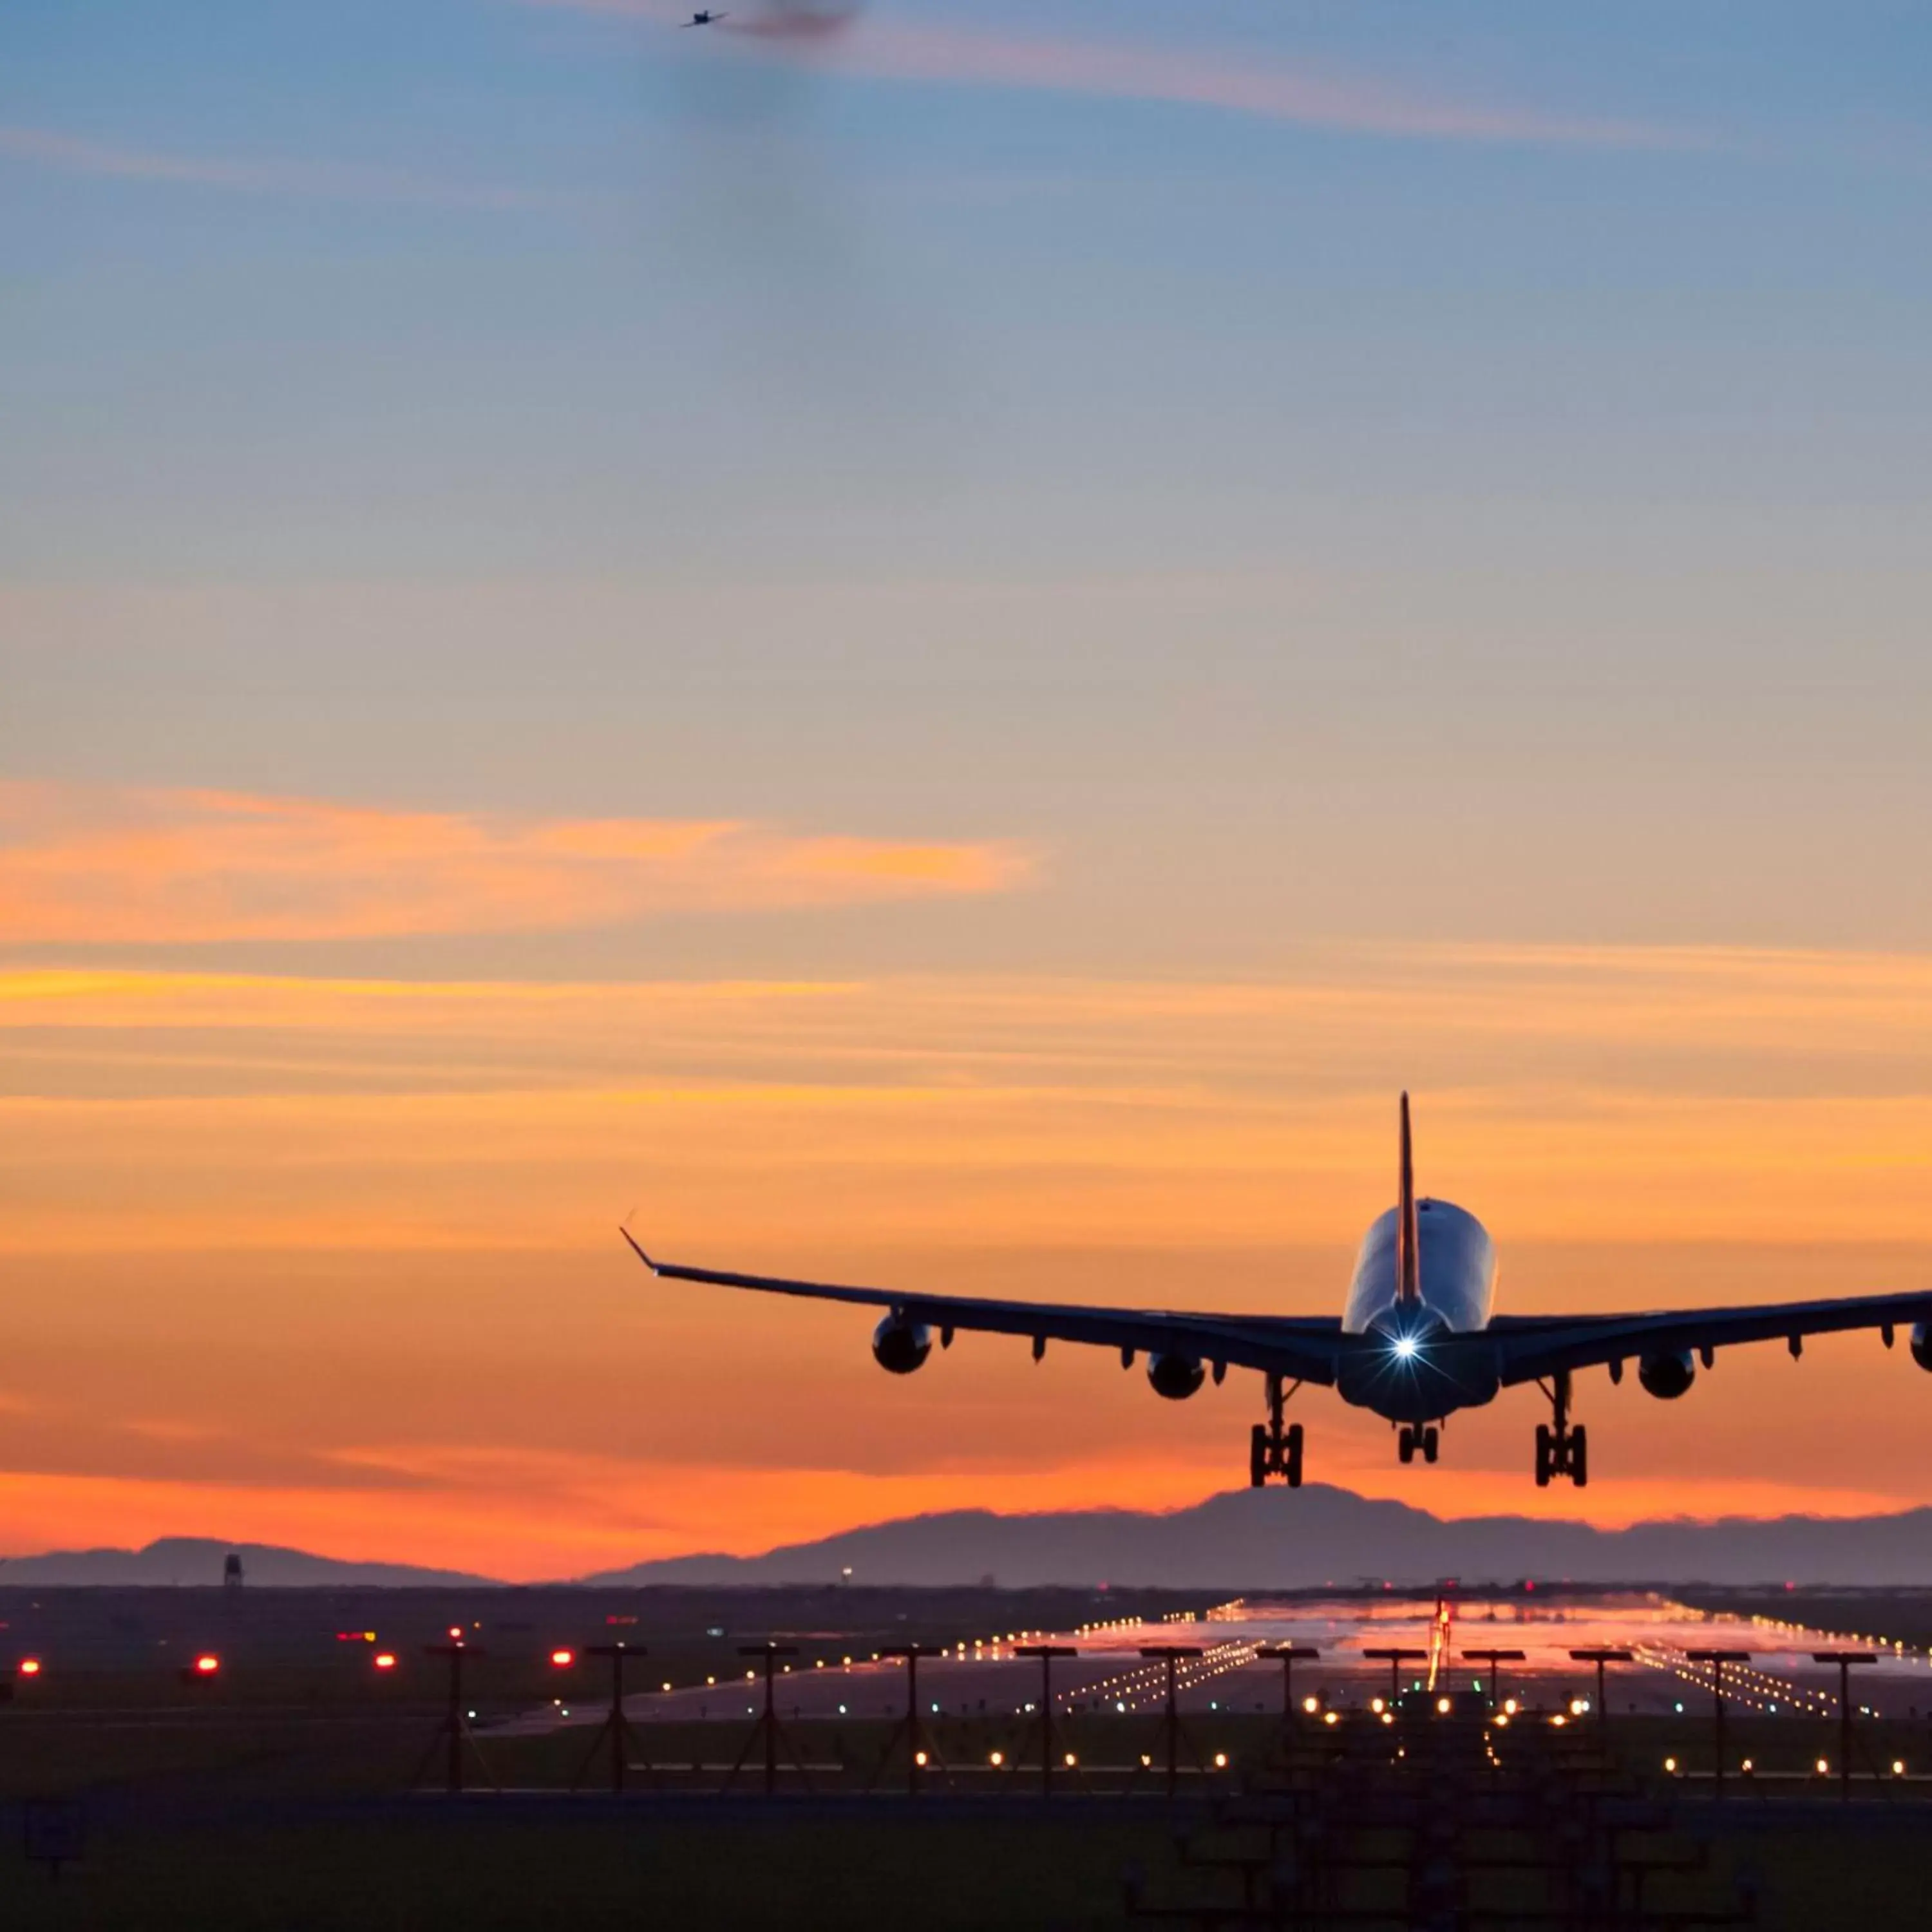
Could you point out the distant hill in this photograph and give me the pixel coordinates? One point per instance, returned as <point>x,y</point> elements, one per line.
<point>199,1560</point>
<point>1283,1539</point>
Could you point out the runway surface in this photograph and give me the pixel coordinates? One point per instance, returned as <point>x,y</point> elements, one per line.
<point>982,1676</point>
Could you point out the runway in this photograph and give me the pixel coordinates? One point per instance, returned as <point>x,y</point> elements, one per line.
<point>981,1675</point>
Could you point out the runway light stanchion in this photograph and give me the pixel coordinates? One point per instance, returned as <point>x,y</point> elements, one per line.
<point>1716,1659</point>
<point>1495,1659</point>
<point>1289,1654</point>
<point>1600,1658</point>
<point>1844,1660</point>
<point>1170,1655</point>
<point>1396,1659</point>
<point>615,1733</point>
<point>768,1730</point>
<point>920,1744</point>
<point>1046,1653</point>
<point>454,1736</point>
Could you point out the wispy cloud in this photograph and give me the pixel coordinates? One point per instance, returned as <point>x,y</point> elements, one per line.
<point>173,867</point>
<point>319,181</point>
<point>1304,93</point>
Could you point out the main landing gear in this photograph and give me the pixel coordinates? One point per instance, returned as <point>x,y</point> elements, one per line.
<point>1273,1451</point>
<point>1560,1450</point>
<point>1412,1439</point>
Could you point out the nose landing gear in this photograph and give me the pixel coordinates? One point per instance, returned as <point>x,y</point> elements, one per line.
<point>1560,1450</point>
<point>1273,1451</point>
<point>1412,1439</point>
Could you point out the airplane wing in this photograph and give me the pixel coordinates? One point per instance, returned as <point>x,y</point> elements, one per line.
<point>1531,1346</point>
<point>1303,1348</point>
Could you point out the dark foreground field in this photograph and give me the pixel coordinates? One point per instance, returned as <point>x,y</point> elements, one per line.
<point>292,1792</point>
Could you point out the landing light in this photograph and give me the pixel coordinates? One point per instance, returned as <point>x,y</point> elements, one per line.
<point>1404,1347</point>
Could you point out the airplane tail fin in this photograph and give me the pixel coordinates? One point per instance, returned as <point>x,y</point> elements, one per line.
<point>1408,1284</point>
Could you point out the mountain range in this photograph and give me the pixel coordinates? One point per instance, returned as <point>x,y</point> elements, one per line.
<point>1243,1539</point>
<point>1283,1539</point>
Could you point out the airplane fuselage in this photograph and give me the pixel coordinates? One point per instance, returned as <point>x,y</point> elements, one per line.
<point>1436,1360</point>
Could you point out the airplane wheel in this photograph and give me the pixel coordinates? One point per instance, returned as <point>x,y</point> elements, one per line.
<point>1431,1442</point>
<point>1579,1456</point>
<point>1542,1455</point>
<point>1257,1457</point>
<point>1294,1455</point>
<point>1405,1444</point>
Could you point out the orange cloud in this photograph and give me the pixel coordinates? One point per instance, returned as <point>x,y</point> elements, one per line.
<point>187,867</point>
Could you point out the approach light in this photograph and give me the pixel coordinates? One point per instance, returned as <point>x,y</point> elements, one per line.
<point>1746,1767</point>
<point>1071,1760</point>
<point>563,1659</point>
<point>385,1660</point>
<point>1442,1707</point>
<point>1578,1706</point>
<point>1311,1704</point>
<point>1379,1704</point>
<point>918,1759</point>
<point>1670,1764</point>
<point>996,1759</point>
<point>1559,1721</point>
<point>1502,1720</point>
<point>1824,1768</point>
<point>1510,1707</point>
<point>1331,1716</point>
<point>1898,1767</point>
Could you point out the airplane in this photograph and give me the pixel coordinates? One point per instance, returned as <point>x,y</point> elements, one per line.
<point>703,17</point>
<point>1416,1342</point>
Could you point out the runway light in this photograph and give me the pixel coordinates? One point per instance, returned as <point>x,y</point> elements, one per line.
<point>1220,1760</point>
<point>1071,1760</point>
<point>1824,1768</point>
<point>456,1633</point>
<point>1442,1707</point>
<point>1331,1717</point>
<point>1311,1704</point>
<point>667,1683</point>
<point>1670,1764</point>
<point>1146,1761</point>
<point>918,1759</point>
<point>385,1660</point>
<point>1510,1706</point>
<point>1578,1706</point>
<point>1502,1720</point>
<point>1559,1721</point>
<point>1746,1767</point>
<point>563,1659</point>
<point>997,1758</point>
<point>207,1664</point>
<point>1379,1704</point>
<point>1898,1767</point>
<point>30,1667</point>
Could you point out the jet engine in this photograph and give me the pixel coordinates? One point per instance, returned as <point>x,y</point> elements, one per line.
<point>1666,1377</point>
<point>1177,1377</point>
<point>1921,1344</point>
<point>901,1346</point>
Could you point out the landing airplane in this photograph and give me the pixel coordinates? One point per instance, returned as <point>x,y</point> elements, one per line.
<point>703,17</point>
<point>1416,1341</point>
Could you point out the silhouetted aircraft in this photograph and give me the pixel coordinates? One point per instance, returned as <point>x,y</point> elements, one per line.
<point>1416,1341</point>
<point>704,17</point>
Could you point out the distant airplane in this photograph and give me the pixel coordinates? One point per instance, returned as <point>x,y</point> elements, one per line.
<point>704,17</point>
<point>1416,1342</point>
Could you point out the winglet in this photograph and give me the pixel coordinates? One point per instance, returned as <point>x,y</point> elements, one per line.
<point>1408,1279</point>
<point>638,1251</point>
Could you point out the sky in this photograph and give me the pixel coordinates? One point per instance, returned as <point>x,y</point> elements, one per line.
<point>940,644</point>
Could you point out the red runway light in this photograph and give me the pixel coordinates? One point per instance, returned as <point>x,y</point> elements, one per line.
<point>30,1667</point>
<point>563,1659</point>
<point>206,1665</point>
<point>385,1659</point>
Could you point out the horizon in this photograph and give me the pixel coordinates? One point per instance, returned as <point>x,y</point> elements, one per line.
<point>941,653</point>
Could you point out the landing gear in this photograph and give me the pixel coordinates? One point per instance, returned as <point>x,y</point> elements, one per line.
<point>1411,1439</point>
<point>1561,1450</point>
<point>1273,1451</point>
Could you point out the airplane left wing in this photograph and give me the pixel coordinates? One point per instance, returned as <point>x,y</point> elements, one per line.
<point>1531,1346</point>
<point>1303,1348</point>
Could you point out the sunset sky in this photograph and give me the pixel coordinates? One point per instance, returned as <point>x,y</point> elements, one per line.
<point>941,650</point>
